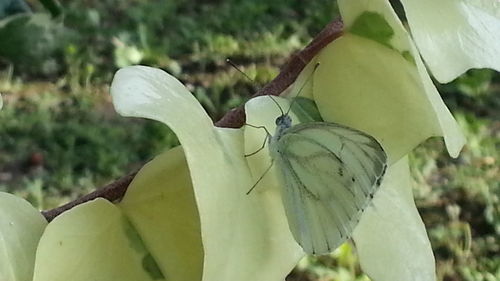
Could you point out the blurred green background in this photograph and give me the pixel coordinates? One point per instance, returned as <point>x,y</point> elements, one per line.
<point>60,136</point>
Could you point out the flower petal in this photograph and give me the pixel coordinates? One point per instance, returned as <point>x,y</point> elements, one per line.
<point>262,112</point>
<point>365,85</point>
<point>392,234</point>
<point>141,91</point>
<point>21,226</point>
<point>160,204</point>
<point>244,236</point>
<point>395,87</point>
<point>93,241</point>
<point>456,35</point>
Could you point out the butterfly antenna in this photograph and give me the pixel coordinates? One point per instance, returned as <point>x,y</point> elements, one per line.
<point>231,63</point>
<point>302,87</point>
<point>277,104</point>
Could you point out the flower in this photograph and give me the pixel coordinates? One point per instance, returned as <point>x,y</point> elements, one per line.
<point>186,215</point>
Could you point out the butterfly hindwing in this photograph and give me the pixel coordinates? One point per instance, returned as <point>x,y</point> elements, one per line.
<point>329,174</point>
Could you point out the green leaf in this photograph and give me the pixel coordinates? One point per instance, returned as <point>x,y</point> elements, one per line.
<point>368,17</point>
<point>11,7</point>
<point>455,35</point>
<point>373,26</point>
<point>31,42</point>
<point>93,241</point>
<point>391,233</point>
<point>52,6</point>
<point>306,110</point>
<point>21,226</point>
<point>245,237</point>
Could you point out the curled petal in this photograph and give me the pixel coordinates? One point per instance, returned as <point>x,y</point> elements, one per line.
<point>244,236</point>
<point>455,35</point>
<point>379,84</point>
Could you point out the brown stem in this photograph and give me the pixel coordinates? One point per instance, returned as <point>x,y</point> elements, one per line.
<point>233,119</point>
<point>236,117</point>
<point>112,192</point>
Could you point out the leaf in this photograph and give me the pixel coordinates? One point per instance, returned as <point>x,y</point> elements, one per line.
<point>392,234</point>
<point>455,35</point>
<point>378,13</point>
<point>11,7</point>
<point>306,110</point>
<point>373,26</point>
<point>245,237</point>
<point>52,6</point>
<point>21,226</point>
<point>32,41</point>
<point>93,241</point>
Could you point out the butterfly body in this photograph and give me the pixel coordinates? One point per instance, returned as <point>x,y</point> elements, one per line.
<point>329,174</point>
<point>283,123</point>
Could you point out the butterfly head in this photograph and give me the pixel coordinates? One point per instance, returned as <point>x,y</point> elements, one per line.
<point>284,121</point>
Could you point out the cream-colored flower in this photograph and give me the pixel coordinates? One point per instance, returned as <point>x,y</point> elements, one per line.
<point>186,215</point>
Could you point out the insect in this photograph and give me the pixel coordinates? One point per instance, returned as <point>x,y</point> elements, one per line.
<point>328,174</point>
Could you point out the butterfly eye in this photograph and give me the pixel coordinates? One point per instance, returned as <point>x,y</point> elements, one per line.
<point>279,120</point>
<point>284,121</point>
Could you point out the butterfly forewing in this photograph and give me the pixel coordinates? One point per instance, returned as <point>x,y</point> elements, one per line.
<point>329,174</point>
<point>303,208</point>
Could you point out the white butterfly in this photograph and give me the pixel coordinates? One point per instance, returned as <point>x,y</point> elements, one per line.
<point>328,174</point>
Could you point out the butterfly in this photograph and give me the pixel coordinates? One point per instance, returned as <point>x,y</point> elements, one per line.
<point>328,175</point>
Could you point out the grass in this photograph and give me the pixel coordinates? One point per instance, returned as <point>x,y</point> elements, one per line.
<point>67,143</point>
<point>57,123</point>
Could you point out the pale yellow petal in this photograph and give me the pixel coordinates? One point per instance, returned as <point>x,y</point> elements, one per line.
<point>21,226</point>
<point>160,204</point>
<point>387,79</point>
<point>93,241</point>
<point>391,239</point>
<point>244,236</point>
<point>455,35</point>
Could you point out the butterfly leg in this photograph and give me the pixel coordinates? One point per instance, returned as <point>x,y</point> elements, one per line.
<point>262,147</point>
<point>258,127</point>
<point>261,177</point>
<point>263,143</point>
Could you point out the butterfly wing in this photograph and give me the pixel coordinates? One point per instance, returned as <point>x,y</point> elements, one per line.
<point>329,174</point>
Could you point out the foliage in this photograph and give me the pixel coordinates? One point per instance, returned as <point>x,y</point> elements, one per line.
<point>11,7</point>
<point>51,143</point>
<point>31,42</point>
